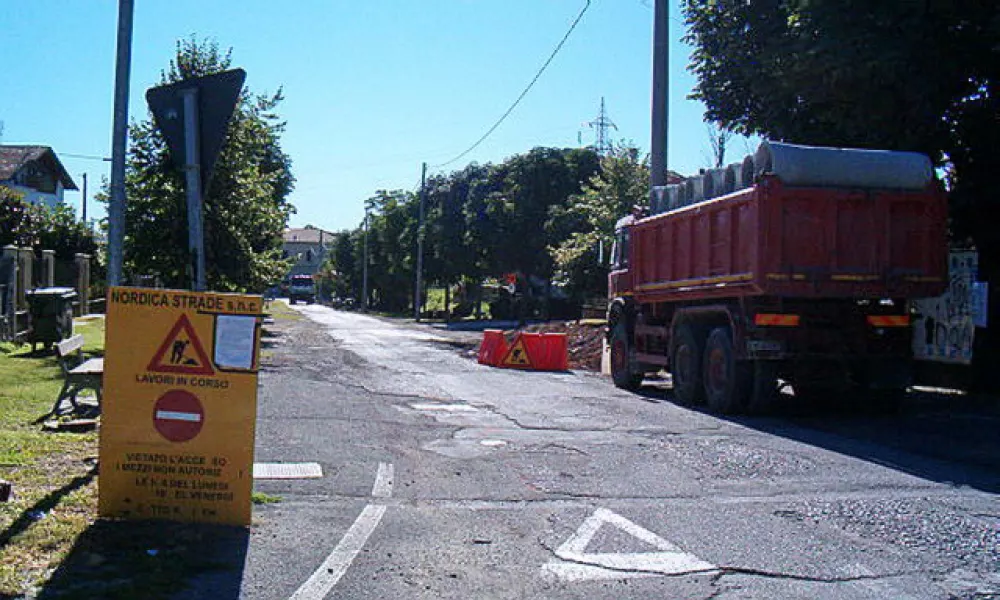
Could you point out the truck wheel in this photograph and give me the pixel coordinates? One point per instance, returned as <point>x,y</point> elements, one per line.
<point>685,365</point>
<point>726,381</point>
<point>762,388</point>
<point>621,364</point>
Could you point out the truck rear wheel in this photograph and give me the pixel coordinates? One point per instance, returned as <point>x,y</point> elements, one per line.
<point>686,350</point>
<point>762,393</point>
<point>621,360</point>
<point>726,380</point>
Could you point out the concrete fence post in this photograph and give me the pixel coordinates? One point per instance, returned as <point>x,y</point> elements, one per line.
<point>26,260</point>
<point>9,307</point>
<point>83,282</point>
<point>49,260</point>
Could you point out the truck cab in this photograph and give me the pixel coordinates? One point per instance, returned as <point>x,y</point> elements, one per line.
<point>301,287</point>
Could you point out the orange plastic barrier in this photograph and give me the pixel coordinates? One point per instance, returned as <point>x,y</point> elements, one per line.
<point>493,349</point>
<point>534,351</point>
<point>548,351</point>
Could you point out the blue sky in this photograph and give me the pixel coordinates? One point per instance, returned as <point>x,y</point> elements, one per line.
<point>373,88</point>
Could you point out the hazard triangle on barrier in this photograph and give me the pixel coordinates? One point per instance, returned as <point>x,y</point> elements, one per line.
<point>517,356</point>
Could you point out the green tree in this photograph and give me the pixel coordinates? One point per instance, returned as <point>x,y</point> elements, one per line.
<point>897,75</point>
<point>245,204</point>
<point>16,219</point>
<point>582,257</point>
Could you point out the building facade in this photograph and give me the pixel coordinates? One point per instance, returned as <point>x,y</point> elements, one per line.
<point>309,246</point>
<point>36,173</point>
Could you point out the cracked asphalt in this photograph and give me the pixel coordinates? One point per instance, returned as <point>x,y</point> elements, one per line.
<point>502,479</point>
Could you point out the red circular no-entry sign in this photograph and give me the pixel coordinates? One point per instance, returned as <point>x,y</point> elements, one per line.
<point>178,415</point>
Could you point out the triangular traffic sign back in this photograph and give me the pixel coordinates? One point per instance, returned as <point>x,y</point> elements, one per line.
<point>517,356</point>
<point>217,95</point>
<point>186,354</point>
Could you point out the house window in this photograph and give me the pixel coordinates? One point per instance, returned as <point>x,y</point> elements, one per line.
<point>309,256</point>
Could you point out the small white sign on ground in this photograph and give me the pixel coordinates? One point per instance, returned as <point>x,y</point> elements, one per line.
<point>576,564</point>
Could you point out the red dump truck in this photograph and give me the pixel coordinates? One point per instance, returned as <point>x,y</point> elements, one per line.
<point>794,266</point>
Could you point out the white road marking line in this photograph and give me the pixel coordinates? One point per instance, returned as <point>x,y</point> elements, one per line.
<point>383,481</point>
<point>333,568</point>
<point>287,471</point>
<point>170,415</point>
<point>578,565</point>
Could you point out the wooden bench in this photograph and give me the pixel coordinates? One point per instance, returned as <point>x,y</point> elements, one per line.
<point>79,374</point>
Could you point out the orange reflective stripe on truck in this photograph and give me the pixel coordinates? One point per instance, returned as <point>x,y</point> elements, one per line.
<point>889,320</point>
<point>776,320</point>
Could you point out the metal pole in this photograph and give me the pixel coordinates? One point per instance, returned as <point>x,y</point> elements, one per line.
<point>119,140</point>
<point>192,174</point>
<point>364,276</point>
<point>420,243</point>
<point>661,101</point>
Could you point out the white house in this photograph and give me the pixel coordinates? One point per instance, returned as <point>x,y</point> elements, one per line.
<point>36,172</point>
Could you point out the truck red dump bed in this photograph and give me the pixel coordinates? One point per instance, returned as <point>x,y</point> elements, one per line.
<point>776,240</point>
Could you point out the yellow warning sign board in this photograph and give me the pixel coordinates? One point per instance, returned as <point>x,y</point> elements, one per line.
<point>517,356</point>
<point>179,406</point>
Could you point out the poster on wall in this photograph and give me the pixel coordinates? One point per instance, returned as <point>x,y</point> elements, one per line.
<point>944,327</point>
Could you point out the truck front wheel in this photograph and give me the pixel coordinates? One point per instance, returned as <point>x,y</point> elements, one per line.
<point>621,363</point>
<point>685,365</point>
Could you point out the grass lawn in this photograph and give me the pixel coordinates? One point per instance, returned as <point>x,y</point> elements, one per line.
<point>50,538</point>
<point>55,490</point>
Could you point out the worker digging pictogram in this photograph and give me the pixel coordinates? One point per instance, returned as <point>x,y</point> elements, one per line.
<point>517,356</point>
<point>181,352</point>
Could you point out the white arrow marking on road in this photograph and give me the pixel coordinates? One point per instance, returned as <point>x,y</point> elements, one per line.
<point>577,564</point>
<point>170,415</point>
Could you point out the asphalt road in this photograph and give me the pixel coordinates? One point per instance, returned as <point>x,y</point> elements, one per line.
<point>446,479</point>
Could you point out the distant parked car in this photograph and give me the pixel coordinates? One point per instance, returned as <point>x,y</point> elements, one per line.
<point>301,287</point>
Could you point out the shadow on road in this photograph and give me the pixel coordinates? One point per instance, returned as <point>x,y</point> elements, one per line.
<point>151,559</point>
<point>942,437</point>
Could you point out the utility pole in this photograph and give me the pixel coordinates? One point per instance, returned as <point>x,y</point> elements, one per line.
<point>420,243</point>
<point>364,267</point>
<point>119,142</point>
<point>83,200</point>
<point>661,101</point>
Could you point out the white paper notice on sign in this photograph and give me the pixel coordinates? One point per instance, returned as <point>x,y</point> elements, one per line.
<point>234,341</point>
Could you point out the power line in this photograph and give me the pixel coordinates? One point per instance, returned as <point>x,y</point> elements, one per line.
<point>85,156</point>
<point>523,94</point>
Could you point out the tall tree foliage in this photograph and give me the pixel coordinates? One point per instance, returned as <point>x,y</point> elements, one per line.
<point>245,205</point>
<point>582,258</point>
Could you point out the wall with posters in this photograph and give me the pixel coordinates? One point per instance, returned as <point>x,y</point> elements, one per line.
<point>944,327</point>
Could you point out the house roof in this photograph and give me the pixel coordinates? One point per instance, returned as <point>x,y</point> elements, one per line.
<point>307,235</point>
<point>13,158</point>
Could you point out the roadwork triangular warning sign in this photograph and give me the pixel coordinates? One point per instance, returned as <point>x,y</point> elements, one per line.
<point>577,564</point>
<point>517,356</point>
<point>181,352</point>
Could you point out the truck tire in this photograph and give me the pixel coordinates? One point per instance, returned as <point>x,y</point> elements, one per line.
<point>621,362</point>
<point>686,350</point>
<point>726,381</point>
<point>762,391</point>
